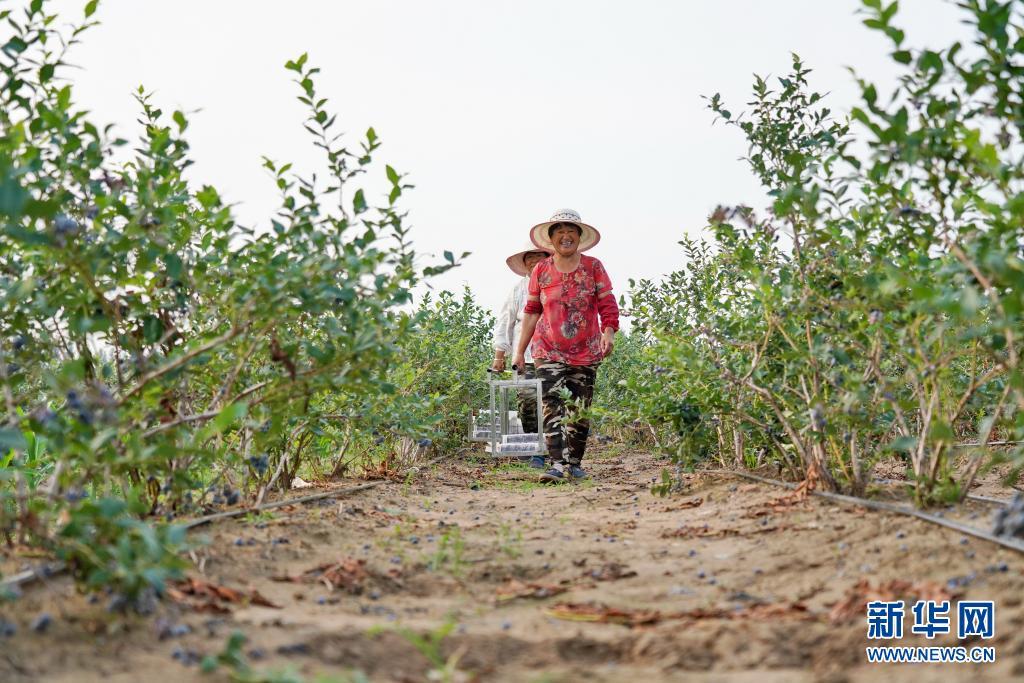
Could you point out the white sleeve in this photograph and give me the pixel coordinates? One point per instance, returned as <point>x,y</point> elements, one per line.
<point>505,324</point>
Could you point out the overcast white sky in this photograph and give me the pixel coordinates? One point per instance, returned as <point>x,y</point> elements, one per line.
<point>500,112</point>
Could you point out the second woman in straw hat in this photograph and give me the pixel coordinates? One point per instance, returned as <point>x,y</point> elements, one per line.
<point>507,329</point>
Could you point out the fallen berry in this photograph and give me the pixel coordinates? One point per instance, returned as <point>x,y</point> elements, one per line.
<point>294,649</point>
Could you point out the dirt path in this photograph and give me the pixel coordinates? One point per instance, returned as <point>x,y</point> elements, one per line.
<point>726,581</point>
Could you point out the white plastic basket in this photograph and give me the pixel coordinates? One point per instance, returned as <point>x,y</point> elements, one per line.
<point>501,428</point>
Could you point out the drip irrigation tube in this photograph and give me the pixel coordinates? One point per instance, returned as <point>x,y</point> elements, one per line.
<point>200,521</point>
<point>970,496</point>
<point>47,571</point>
<point>1011,543</point>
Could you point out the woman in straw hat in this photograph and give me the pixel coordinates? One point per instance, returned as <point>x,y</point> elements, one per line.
<point>507,330</point>
<point>568,294</point>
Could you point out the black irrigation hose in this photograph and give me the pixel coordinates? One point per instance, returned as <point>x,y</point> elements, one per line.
<point>1011,543</point>
<point>47,571</point>
<point>970,496</point>
<point>200,521</point>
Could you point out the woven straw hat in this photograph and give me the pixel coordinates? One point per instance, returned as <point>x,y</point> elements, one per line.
<point>517,261</point>
<point>589,236</point>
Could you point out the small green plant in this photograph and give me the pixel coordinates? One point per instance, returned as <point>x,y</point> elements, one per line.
<point>232,659</point>
<point>106,545</point>
<point>510,541</point>
<point>444,669</point>
<point>448,555</point>
<point>410,477</point>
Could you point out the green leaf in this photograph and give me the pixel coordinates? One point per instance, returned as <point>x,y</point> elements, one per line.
<point>152,329</point>
<point>90,8</point>
<point>12,198</point>
<point>902,56</point>
<point>228,416</point>
<point>941,431</point>
<point>297,64</point>
<point>359,202</point>
<point>903,443</point>
<point>179,118</point>
<point>12,439</point>
<point>208,197</point>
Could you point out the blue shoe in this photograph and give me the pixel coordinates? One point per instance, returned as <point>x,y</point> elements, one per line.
<point>537,462</point>
<point>577,472</point>
<point>554,474</point>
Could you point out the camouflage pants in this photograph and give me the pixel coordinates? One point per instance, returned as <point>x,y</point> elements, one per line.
<point>566,438</point>
<point>528,402</point>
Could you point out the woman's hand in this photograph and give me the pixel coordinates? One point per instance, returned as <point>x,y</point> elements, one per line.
<point>519,362</point>
<point>499,362</point>
<point>607,342</point>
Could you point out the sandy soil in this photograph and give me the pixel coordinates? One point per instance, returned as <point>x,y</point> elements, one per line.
<point>724,581</point>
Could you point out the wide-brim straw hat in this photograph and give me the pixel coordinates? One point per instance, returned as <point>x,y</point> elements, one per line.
<point>589,236</point>
<point>517,261</point>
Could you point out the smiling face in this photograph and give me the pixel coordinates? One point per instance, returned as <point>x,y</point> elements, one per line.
<point>532,258</point>
<point>565,237</point>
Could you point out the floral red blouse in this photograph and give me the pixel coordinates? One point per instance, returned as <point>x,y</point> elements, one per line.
<point>570,303</point>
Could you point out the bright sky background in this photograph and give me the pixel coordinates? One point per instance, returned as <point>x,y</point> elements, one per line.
<point>500,112</point>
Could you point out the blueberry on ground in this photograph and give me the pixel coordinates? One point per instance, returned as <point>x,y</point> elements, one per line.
<point>42,623</point>
<point>294,649</point>
<point>117,603</point>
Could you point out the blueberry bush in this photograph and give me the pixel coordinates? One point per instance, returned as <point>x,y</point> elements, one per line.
<point>875,308</point>
<point>158,358</point>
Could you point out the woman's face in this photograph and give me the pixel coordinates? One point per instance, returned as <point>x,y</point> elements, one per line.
<point>532,258</point>
<point>566,238</point>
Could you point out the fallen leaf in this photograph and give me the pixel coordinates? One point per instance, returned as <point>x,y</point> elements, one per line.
<point>204,596</point>
<point>347,574</point>
<point>707,532</point>
<point>602,614</point>
<point>854,603</point>
<point>518,589</point>
<point>611,571</point>
<point>685,505</point>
